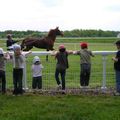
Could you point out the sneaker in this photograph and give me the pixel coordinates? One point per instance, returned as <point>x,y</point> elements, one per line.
<point>63,92</point>
<point>116,94</point>
<point>59,87</point>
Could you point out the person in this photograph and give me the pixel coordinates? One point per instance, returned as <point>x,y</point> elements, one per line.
<point>10,42</point>
<point>37,73</point>
<point>18,61</point>
<point>85,63</point>
<point>61,66</point>
<point>116,60</point>
<point>3,57</point>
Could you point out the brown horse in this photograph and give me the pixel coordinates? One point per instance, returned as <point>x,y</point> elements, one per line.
<point>44,43</point>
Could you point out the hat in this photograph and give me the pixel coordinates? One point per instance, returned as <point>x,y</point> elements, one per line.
<point>36,59</point>
<point>16,47</point>
<point>1,51</point>
<point>61,47</point>
<point>84,44</point>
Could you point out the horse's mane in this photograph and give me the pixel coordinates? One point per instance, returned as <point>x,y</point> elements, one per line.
<point>51,32</point>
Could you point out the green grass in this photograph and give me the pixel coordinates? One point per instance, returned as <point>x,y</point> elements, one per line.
<point>87,39</point>
<point>66,107</point>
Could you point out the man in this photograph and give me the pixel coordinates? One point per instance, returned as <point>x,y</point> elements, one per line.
<point>10,42</point>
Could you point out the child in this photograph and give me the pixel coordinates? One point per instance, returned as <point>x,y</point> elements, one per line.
<point>19,60</point>
<point>37,73</point>
<point>3,57</point>
<point>117,67</point>
<point>85,63</point>
<point>61,66</point>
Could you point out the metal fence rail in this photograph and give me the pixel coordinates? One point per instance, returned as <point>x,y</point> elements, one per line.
<point>102,73</point>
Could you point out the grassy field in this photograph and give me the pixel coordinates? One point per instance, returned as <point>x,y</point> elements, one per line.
<point>66,107</point>
<point>63,107</point>
<point>87,39</point>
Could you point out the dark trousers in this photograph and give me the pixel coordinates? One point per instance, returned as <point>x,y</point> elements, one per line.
<point>117,80</point>
<point>62,73</point>
<point>37,82</point>
<point>17,81</point>
<point>85,74</point>
<point>3,81</point>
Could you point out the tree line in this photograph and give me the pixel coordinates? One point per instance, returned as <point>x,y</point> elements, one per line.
<point>67,33</point>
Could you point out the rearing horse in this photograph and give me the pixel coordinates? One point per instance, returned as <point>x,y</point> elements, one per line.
<point>44,43</point>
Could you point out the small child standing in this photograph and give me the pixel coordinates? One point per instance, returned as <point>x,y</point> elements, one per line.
<point>18,60</point>
<point>3,57</point>
<point>37,73</point>
<point>117,68</point>
<point>85,63</point>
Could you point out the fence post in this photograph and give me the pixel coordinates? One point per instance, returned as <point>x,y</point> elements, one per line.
<point>104,73</point>
<point>25,77</point>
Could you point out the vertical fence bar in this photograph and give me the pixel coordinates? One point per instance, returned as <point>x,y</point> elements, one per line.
<point>25,77</point>
<point>104,73</point>
<point>104,60</point>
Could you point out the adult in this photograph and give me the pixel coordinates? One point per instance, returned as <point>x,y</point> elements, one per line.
<point>10,42</point>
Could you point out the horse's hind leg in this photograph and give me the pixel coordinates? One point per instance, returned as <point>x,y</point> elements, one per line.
<point>28,48</point>
<point>47,56</point>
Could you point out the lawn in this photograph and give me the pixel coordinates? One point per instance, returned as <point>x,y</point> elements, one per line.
<point>60,107</point>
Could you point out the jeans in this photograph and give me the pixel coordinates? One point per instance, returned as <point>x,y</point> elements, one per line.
<point>17,81</point>
<point>85,74</point>
<point>37,82</point>
<point>3,81</point>
<point>117,80</point>
<point>62,73</point>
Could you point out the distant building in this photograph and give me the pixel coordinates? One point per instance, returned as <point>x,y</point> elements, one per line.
<point>118,36</point>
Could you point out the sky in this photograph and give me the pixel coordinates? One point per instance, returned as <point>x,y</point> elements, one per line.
<point>43,15</point>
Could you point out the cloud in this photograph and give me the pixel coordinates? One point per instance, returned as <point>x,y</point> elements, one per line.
<point>51,3</point>
<point>115,8</point>
<point>67,14</point>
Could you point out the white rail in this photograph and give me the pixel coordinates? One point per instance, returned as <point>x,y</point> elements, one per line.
<point>103,53</point>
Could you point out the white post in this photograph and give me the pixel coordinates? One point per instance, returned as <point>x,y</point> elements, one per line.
<point>25,77</point>
<point>104,73</point>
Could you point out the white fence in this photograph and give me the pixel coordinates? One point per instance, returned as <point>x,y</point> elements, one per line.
<point>104,55</point>
<point>71,73</point>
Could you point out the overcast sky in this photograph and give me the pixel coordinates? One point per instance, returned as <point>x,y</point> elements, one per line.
<point>43,15</point>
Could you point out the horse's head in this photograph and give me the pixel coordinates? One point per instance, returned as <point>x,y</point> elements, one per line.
<point>58,32</point>
<point>55,32</point>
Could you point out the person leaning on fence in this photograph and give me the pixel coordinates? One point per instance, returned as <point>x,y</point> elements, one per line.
<point>18,61</point>
<point>37,73</point>
<point>61,66</point>
<point>85,63</point>
<point>3,57</point>
<point>116,60</point>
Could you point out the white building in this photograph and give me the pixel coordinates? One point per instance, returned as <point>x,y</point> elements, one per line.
<point>118,35</point>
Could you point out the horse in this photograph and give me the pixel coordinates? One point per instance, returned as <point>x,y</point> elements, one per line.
<point>46,42</point>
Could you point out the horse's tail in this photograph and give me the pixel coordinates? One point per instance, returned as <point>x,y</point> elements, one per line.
<point>23,43</point>
<point>27,42</point>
